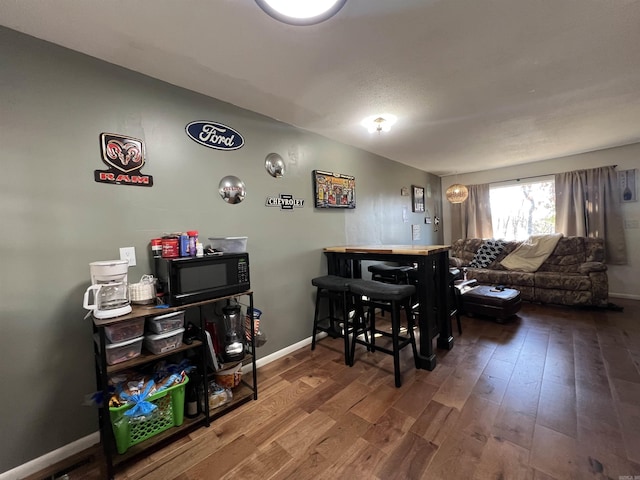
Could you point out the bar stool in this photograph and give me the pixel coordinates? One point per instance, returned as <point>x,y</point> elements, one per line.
<point>396,274</point>
<point>454,296</point>
<point>381,272</point>
<point>392,297</point>
<point>336,290</point>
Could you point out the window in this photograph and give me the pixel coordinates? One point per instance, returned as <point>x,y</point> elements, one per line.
<point>523,207</point>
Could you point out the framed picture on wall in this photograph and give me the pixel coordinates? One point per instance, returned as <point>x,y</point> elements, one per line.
<point>334,190</point>
<point>627,182</point>
<point>417,198</point>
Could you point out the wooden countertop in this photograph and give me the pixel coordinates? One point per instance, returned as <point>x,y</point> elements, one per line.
<point>390,249</point>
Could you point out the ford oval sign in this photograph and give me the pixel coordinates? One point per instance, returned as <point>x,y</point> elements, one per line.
<point>214,135</point>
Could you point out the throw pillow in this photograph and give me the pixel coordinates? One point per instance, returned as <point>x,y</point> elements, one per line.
<point>487,253</point>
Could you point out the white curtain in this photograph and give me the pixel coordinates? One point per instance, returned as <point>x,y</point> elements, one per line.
<point>588,205</point>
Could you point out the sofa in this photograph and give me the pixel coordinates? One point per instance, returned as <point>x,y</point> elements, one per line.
<point>573,274</point>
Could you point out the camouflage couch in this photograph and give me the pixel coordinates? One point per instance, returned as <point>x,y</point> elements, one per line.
<point>574,274</point>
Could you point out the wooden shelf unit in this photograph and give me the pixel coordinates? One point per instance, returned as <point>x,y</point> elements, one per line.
<point>245,392</point>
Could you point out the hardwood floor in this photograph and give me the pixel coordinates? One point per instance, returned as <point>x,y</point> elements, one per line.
<point>552,394</point>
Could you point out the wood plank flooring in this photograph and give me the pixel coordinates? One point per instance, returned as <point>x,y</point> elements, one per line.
<point>552,394</point>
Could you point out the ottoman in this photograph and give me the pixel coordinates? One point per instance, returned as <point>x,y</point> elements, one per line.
<point>498,302</point>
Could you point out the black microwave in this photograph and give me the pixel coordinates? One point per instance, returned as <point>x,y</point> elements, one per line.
<point>194,279</point>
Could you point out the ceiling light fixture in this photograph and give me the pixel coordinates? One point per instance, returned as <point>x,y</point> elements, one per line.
<point>379,123</point>
<point>457,193</point>
<point>296,12</point>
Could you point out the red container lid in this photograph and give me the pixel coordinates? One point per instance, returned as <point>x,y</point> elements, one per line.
<point>192,233</point>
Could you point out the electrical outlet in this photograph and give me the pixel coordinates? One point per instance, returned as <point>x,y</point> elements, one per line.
<point>128,253</point>
<point>631,224</point>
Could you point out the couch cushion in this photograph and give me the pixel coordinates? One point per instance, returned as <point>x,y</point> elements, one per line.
<point>487,253</point>
<point>567,257</point>
<point>464,250</point>
<point>562,281</point>
<point>502,277</point>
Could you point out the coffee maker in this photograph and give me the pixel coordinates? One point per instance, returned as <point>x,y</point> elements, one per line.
<point>109,288</point>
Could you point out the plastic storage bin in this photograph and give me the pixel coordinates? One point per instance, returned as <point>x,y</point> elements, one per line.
<point>122,351</point>
<point>166,323</point>
<point>170,413</point>
<point>125,330</point>
<point>163,342</point>
<point>229,244</point>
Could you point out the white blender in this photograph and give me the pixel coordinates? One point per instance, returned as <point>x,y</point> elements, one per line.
<point>109,287</point>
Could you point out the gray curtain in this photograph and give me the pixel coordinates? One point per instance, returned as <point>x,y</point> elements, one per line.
<point>472,218</point>
<point>588,205</point>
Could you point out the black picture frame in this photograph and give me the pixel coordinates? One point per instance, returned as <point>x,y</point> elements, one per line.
<point>417,198</point>
<point>334,190</point>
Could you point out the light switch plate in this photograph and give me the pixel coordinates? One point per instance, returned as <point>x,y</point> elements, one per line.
<point>128,253</point>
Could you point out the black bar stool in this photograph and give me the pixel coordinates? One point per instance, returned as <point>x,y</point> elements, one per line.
<point>397,274</point>
<point>390,297</point>
<point>336,290</point>
<point>454,296</point>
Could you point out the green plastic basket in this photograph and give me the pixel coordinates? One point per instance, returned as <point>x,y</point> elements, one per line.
<point>170,413</point>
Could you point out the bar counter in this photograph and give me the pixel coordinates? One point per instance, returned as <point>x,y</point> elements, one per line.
<point>432,267</point>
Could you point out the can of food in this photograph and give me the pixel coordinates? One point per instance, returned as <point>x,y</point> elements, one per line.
<point>170,247</point>
<point>193,241</point>
<point>156,247</point>
<point>184,245</point>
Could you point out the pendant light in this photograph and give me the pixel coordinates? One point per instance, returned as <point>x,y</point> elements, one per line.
<point>457,193</point>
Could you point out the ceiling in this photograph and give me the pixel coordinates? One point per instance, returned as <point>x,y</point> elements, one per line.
<point>475,84</point>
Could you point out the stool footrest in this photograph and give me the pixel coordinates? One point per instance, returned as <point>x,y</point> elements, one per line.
<point>386,350</point>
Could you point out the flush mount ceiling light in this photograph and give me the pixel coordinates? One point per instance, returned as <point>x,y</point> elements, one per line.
<point>379,123</point>
<point>457,193</point>
<point>296,12</point>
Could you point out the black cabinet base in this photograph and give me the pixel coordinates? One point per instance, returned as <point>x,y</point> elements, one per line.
<point>445,342</point>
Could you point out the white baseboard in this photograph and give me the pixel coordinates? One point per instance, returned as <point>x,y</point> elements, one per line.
<point>38,464</point>
<point>287,350</point>
<point>624,295</point>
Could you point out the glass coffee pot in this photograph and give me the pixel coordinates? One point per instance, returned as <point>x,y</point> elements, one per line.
<point>109,299</point>
<point>233,350</point>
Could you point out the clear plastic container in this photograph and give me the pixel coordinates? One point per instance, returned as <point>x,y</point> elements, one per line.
<point>229,244</point>
<point>122,351</point>
<point>166,323</point>
<point>125,330</point>
<point>163,342</point>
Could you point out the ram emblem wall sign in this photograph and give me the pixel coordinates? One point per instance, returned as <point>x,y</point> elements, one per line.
<point>125,157</point>
<point>214,135</point>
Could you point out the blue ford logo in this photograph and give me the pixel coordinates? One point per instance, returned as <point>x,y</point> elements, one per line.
<point>214,135</point>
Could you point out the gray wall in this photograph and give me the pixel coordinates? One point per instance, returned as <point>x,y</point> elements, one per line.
<point>54,104</point>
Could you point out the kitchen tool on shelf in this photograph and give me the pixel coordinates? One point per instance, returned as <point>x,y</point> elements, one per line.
<point>233,350</point>
<point>259,336</point>
<point>143,292</point>
<point>109,289</point>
